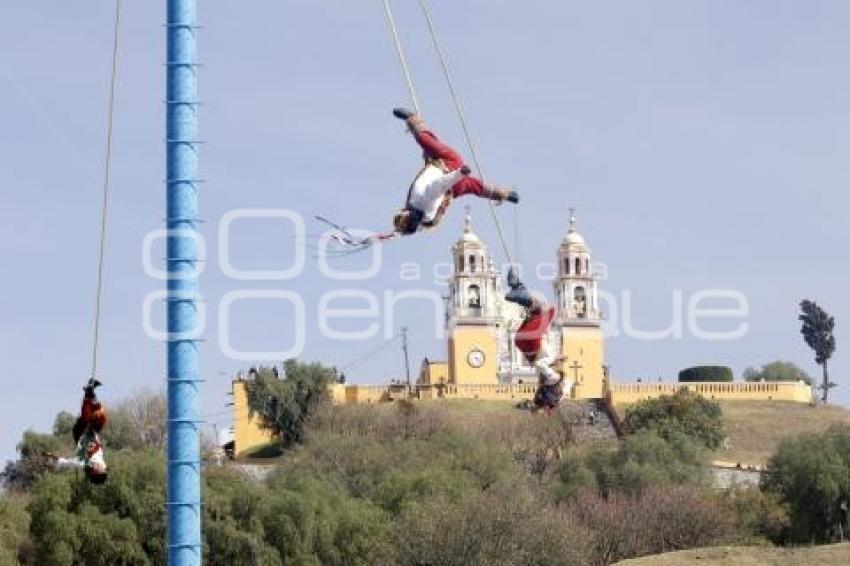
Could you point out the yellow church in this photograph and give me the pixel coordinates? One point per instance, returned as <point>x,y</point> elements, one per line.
<point>483,362</point>
<point>481,325</point>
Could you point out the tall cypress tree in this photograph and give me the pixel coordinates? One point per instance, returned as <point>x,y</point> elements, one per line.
<point>817,331</point>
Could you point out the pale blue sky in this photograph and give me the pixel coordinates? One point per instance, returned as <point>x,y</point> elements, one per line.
<point>705,144</point>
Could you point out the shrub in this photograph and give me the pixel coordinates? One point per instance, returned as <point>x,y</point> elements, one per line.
<point>810,473</point>
<point>705,373</point>
<point>660,519</point>
<point>685,413</point>
<point>644,459</point>
<point>759,514</point>
<point>311,522</point>
<point>501,526</point>
<point>777,371</point>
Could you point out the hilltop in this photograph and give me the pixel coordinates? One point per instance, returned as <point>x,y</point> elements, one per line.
<point>827,555</point>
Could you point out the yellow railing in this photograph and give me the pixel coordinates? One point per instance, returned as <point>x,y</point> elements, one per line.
<point>796,391</point>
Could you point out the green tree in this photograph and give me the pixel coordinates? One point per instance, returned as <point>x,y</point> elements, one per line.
<point>284,405</point>
<point>31,464</point>
<point>644,459</point>
<point>810,473</point>
<point>14,529</point>
<point>817,330</point>
<point>777,370</point>
<point>684,412</point>
<point>705,373</point>
<point>63,424</point>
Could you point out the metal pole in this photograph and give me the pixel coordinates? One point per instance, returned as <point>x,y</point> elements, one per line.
<point>406,357</point>
<point>184,467</point>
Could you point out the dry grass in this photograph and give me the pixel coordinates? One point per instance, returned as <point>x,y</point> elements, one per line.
<point>827,555</point>
<point>755,428</point>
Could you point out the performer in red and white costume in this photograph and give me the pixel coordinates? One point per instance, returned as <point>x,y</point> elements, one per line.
<point>88,454</point>
<point>444,177</point>
<point>530,340</point>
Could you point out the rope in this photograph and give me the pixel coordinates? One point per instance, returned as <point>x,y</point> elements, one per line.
<point>402,59</point>
<point>106,185</point>
<point>466,131</point>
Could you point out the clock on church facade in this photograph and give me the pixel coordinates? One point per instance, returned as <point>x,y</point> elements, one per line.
<point>481,325</point>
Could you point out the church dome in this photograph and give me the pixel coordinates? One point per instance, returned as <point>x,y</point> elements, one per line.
<point>469,236</point>
<point>573,239</point>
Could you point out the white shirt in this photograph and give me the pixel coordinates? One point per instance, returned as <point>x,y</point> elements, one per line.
<point>96,458</point>
<point>429,189</point>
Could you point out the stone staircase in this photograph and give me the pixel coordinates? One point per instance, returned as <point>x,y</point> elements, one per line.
<point>589,419</point>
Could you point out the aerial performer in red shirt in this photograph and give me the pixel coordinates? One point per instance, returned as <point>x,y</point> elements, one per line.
<point>530,340</point>
<point>88,454</point>
<point>443,177</point>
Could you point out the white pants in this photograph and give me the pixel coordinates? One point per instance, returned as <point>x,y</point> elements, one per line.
<point>543,364</point>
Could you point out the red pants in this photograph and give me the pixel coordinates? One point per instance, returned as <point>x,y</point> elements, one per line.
<point>434,149</point>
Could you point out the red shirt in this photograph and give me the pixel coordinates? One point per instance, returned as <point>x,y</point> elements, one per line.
<point>529,336</point>
<point>93,414</point>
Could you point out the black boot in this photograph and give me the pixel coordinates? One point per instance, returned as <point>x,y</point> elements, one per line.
<point>465,170</point>
<point>403,113</point>
<point>90,386</point>
<point>513,197</point>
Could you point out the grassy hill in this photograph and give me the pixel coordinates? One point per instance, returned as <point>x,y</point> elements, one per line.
<point>755,428</point>
<point>827,555</point>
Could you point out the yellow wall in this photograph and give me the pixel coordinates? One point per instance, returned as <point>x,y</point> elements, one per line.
<point>337,391</point>
<point>626,393</point>
<point>355,394</point>
<point>622,393</point>
<point>584,345</point>
<point>247,433</point>
<point>462,341</point>
<point>433,373</point>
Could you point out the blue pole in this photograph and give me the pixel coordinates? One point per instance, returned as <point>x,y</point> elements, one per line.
<point>184,468</point>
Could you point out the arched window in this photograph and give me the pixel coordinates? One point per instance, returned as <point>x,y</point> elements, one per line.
<point>578,266</point>
<point>587,265</point>
<point>474,297</point>
<point>460,263</point>
<point>472,264</point>
<point>567,265</point>
<point>580,302</point>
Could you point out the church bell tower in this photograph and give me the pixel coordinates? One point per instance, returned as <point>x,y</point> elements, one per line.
<point>472,312</point>
<point>579,317</point>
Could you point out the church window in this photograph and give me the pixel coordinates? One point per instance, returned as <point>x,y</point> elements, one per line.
<point>472,263</point>
<point>567,265</point>
<point>580,302</point>
<point>578,266</point>
<point>474,297</point>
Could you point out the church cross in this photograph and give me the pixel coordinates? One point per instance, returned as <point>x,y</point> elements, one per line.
<point>575,367</point>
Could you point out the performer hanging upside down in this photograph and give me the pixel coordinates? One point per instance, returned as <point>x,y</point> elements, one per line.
<point>89,448</point>
<point>443,178</point>
<point>530,341</point>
